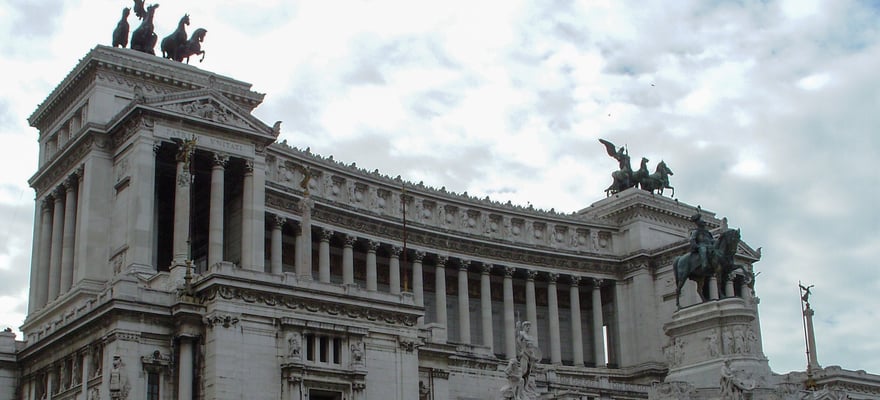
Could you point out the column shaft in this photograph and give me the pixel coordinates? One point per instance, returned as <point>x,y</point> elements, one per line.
<point>598,324</point>
<point>185,370</point>
<point>275,246</point>
<point>305,248</point>
<point>509,317</point>
<point>181,214</point>
<point>247,226</point>
<point>440,290</point>
<point>464,315</point>
<point>531,304</point>
<point>553,310</point>
<point>372,284</point>
<point>324,256</point>
<point>394,270</point>
<point>215,224</point>
<point>68,235</point>
<point>577,339</point>
<point>45,250</point>
<point>418,281</point>
<point>713,288</point>
<point>33,293</point>
<point>348,260</point>
<point>486,306</point>
<point>55,255</point>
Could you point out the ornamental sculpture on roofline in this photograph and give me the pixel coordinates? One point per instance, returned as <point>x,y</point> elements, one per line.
<point>625,178</point>
<point>175,46</point>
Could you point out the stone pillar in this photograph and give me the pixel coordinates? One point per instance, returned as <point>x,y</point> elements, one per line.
<point>297,246</point>
<point>45,250</point>
<point>713,287</point>
<point>812,358</point>
<point>509,317</point>
<point>215,223</point>
<point>185,370</point>
<point>33,297</point>
<point>55,255</point>
<point>67,248</point>
<point>531,304</point>
<point>305,245</point>
<point>464,314</point>
<point>577,339</point>
<point>247,208</point>
<point>440,290</point>
<point>348,260</point>
<point>728,286</point>
<point>324,256</point>
<point>553,310</point>
<point>275,265</point>
<point>50,382</point>
<point>598,324</point>
<point>486,306</point>
<point>180,247</point>
<point>372,246</point>
<point>394,270</point>
<point>418,281</point>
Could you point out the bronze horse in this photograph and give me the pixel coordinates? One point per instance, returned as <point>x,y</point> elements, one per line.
<point>659,180</point>
<point>143,38</point>
<point>719,258</point>
<point>193,46</point>
<point>172,44</point>
<point>120,34</point>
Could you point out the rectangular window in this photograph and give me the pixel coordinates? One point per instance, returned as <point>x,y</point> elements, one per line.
<point>152,386</point>
<point>310,347</point>
<point>337,351</point>
<point>324,349</point>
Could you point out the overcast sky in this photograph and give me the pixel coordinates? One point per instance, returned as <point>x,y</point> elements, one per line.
<point>767,112</point>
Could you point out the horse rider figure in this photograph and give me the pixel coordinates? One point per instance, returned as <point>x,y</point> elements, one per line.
<point>702,240</point>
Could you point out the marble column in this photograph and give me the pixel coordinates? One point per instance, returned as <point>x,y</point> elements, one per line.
<point>418,281</point>
<point>180,246</point>
<point>247,207</point>
<point>305,245</point>
<point>464,314</point>
<point>324,256</point>
<point>372,283</point>
<point>215,223</point>
<point>509,317</point>
<point>553,310</point>
<point>440,289</point>
<point>297,247</point>
<point>275,246</point>
<point>55,255</point>
<point>728,286</point>
<point>713,287</point>
<point>67,248</point>
<point>598,324</point>
<point>45,250</point>
<point>394,270</point>
<point>35,261</point>
<point>486,306</point>
<point>531,304</point>
<point>348,260</point>
<point>185,370</point>
<point>577,338</point>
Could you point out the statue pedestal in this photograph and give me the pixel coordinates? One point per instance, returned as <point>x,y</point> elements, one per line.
<point>703,336</point>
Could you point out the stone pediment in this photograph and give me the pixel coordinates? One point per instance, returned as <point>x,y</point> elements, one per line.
<point>207,105</point>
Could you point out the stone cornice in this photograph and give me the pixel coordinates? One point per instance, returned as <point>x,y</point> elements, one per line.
<point>220,289</point>
<point>52,172</point>
<point>149,67</point>
<point>318,162</point>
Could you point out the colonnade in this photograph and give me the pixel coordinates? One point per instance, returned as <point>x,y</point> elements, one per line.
<point>53,264</point>
<point>463,266</point>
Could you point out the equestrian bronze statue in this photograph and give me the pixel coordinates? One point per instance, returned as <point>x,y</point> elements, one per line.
<point>707,257</point>
<point>143,38</point>
<point>120,34</point>
<point>625,178</point>
<point>173,43</point>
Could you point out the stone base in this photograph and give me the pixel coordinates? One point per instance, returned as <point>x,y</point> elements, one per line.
<point>703,336</point>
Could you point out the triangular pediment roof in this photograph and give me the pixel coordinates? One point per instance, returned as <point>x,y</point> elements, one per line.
<point>207,106</point>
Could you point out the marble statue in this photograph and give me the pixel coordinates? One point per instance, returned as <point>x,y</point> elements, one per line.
<point>520,380</point>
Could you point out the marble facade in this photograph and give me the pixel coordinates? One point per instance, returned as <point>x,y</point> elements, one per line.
<point>224,271</point>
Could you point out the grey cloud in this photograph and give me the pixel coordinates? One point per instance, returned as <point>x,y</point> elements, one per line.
<point>35,18</point>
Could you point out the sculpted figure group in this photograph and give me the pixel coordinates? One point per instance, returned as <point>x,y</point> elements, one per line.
<point>175,46</point>
<point>625,178</point>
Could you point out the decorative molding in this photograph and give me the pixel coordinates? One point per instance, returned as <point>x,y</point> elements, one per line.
<point>352,311</point>
<point>224,320</point>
